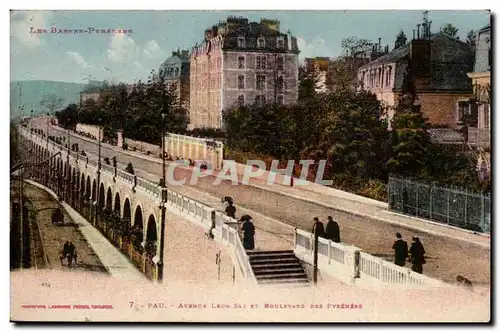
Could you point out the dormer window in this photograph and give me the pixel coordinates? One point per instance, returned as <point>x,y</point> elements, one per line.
<point>280,43</point>
<point>241,42</point>
<point>261,42</point>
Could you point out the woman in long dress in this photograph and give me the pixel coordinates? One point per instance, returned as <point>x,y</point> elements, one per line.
<point>248,232</point>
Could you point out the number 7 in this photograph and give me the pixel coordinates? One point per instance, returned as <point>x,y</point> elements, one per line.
<point>131,304</point>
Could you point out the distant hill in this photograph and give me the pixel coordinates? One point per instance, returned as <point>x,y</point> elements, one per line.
<point>34,91</point>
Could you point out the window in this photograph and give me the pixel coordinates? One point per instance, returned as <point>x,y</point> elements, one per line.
<point>261,82</point>
<point>241,100</point>
<point>241,42</point>
<point>241,62</point>
<point>219,63</point>
<point>462,110</point>
<point>261,62</point>
<point>260,100</point>
<point>388,76</point>
<point>280,84</point>
<point>241,82</point>
<point>486,116</point>
<point>280,43</point>
<point>261,42</point>
<point>279,63</point>
<point>279,99</point>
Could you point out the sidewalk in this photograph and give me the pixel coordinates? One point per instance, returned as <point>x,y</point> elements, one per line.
<point>112,259</point>
<point>341,201</point>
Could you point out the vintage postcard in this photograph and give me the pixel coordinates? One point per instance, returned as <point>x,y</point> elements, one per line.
<point>250,166</point>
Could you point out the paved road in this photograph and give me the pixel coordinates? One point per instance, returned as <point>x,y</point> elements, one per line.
<point>447,257</point>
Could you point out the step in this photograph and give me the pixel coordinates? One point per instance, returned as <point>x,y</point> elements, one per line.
<point>275,271</point>
<point>286,284</point>
<point>276,257</point>
<point>282,276</point>
<point>268,252</point>
<point>283,281</point>
<point>294,265</point>
<point>274,260</point>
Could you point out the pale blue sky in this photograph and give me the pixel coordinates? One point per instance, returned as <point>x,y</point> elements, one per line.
<point>72,58</point>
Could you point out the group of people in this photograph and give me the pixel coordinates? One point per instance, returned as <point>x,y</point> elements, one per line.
<point>247,226</point>
<point>416,253</point>
<point>69,252</point>
<point>331,232</point>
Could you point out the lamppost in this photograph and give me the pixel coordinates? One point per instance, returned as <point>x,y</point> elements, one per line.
<point>68,173</point>
<point>98,189</point>
<point>164,198</point>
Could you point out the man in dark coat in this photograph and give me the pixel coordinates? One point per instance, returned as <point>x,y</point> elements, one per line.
<point>400,250</point>
<point>248,232</point>
<point>332,230</point>
<point>64,252</point>
<point>71,253</point>
<point>318,228</point>
<point>417,253</point>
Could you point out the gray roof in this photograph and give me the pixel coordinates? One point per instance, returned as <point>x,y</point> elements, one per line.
<point>393,56</point>
<point>403,51</point>
<point>445,136</point>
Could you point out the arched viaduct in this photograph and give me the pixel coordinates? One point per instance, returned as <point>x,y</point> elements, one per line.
<point>78,179</point>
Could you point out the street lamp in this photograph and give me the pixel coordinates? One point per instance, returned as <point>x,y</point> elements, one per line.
<point>98,189</point>
<point>163,207</point>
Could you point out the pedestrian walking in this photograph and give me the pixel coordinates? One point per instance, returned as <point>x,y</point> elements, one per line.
<point>248,232</point>
<point>318,228</point>
<point>400,248</point>
<point>231,210</point>
<point>71,253</point>
<point>64,252</point>
<point>332,230</point>
<point>417,253</point>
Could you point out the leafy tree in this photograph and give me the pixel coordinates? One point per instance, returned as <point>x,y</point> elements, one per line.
<point>68,117</point>
<point>410,139</point>
<point>51,102</point>
<point>450,30</point>
<point>471,38</point>
<point>354,46</point>
<point>307,84</point>
<point>400,40</point>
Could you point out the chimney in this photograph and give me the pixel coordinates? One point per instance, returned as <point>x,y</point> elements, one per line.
<point>430,29</point>
<point>420,54</point>
<point>418,31</point>
<point>413,33</point>
<point>379,45</point>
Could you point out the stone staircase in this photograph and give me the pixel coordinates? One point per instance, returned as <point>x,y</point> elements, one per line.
<point>277,268</point>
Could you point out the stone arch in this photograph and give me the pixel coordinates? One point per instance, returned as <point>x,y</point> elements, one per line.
<point>82,184</point>
<point>109,200</point>
<point>116,206</point>
<point>102,197</point>
<point>94,190</point>
<point>151,234</point>
<point>127,211</point>
<point>138,218</point>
